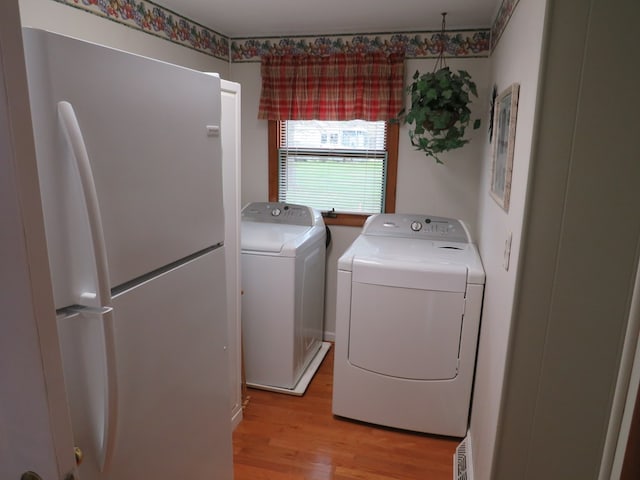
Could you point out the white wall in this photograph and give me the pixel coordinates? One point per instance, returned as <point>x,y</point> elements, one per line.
<point>576,279</point>
<point>60,18</point>
<point>516,59</point>
<point>449,190</point>
<point>423,186</point>
<point>255,158</point>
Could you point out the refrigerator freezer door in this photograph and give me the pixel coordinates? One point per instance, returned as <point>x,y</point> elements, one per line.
<point>150,132</point>
<point>172,379</point>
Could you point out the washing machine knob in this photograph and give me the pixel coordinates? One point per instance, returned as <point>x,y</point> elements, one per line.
<point>416,226</point>
<point>276,212</point>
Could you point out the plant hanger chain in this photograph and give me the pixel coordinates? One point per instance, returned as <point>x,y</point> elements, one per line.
<point>440,61</point>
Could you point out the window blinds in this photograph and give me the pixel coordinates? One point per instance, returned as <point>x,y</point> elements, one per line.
<point>330,165</point>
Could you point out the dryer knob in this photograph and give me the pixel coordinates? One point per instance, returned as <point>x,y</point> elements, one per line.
<point>416,226</point>
<point>276,212</point>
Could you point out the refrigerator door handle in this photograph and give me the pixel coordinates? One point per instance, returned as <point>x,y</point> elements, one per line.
<point>73,134</point>
<point>111,400</point>
<point>105,453</point>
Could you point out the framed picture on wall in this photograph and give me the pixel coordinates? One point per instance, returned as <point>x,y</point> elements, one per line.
<point>504,124</point>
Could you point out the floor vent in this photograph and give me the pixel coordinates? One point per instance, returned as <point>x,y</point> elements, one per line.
<point>462,462</point>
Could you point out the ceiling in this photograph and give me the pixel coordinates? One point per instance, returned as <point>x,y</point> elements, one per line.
<point>274,18</point>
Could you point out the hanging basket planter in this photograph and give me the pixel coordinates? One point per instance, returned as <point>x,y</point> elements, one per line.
<point>439,113</point>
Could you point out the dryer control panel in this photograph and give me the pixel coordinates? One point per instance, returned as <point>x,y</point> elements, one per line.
<point>281,213</point>
<point>428,227</point>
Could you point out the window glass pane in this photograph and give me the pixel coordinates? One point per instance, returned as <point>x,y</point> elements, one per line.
<point>333,165</point>
<point>354,134</point>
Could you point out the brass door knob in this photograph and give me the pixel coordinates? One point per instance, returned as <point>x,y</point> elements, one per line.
<point>79,455</point>
<point>30,476</point>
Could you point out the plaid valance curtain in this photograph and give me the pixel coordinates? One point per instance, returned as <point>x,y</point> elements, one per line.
<point>341,86</point>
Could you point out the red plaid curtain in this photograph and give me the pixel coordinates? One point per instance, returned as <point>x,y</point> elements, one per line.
<point>342,86</point>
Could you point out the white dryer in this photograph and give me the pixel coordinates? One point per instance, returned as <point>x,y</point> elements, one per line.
<point>283,270</point>
<point>409,299</point>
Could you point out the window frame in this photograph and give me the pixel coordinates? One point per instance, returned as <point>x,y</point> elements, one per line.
<point>345,219</point>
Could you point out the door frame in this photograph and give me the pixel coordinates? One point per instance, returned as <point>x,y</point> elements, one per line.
<point>623,436</point>
<point>35,420</point>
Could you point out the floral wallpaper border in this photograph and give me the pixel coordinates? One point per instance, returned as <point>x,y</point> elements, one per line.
<point>151,18</point>
<point>155,20</point>
<point>502,19</point>
<point>460,43</point>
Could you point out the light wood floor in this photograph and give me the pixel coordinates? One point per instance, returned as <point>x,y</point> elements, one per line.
<point>283,437</point>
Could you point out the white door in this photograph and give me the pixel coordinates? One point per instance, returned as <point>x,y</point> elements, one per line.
<point>413,314</point>
<point>231,157</point>
<point>419,331</point>
<point>35,432</point>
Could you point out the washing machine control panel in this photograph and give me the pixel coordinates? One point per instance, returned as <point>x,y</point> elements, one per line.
<point>280,212</point>
<point>428,227</point>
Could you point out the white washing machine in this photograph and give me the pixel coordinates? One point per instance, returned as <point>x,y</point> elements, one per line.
<point>409,299</point>
<point>283,270</point>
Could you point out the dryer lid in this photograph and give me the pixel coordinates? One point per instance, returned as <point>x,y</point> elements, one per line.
<point>415,255</point>
<point>272,238</point>
<point>411,274</point>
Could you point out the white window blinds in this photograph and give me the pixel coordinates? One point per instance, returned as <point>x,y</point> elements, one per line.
<point>330,165</point>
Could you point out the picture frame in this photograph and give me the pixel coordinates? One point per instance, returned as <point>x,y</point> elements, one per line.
<point>504,124</point>
<point>494,94</point>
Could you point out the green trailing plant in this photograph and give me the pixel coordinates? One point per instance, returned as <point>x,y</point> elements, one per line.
<point>439,113</point>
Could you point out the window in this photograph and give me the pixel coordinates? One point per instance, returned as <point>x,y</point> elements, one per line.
<point>346,169</point>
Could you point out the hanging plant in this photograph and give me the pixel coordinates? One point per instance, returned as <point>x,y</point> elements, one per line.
<point>439,112</point>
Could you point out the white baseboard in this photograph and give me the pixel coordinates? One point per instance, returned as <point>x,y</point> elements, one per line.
<point>329,336</point>
<point>236,418</point>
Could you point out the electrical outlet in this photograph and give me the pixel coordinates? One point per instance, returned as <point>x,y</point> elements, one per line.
<point>507,251</point>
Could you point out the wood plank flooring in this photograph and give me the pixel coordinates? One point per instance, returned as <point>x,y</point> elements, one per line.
<point>283,437</point>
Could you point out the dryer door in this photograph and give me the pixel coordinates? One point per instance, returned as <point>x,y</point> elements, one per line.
<point>406,323</point>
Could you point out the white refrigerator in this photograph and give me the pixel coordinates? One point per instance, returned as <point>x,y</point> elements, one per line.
<point>129,162</point>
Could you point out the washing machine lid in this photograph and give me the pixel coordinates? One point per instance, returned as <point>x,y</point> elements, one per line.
<point>274,238</point>
<point>279,228</point>
<point>281,213</point>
